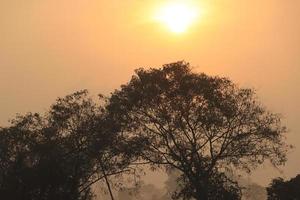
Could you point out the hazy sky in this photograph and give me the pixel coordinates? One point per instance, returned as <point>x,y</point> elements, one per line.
<point>49,48</point>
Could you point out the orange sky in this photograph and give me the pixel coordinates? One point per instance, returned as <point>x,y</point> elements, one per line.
<point>50,48</point>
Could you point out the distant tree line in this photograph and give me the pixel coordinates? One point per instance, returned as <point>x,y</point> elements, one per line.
<point>170,118</point>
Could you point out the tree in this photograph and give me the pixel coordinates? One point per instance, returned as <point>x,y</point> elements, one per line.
<point>59,155</point>
<point>284,190</point>
<point>35,166</point>
<point>198,124</point>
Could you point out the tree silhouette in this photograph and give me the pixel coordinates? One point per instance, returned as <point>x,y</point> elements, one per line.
<point>61,154</point>
<point>284,190</point>
<point>35,165</point>
<point>198,124</point>
<point>201,126</point>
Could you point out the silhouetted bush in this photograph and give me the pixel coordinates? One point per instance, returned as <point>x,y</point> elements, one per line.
<point>284,190</point>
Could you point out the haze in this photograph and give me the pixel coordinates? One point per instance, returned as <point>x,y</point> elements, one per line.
<point>51,48</point>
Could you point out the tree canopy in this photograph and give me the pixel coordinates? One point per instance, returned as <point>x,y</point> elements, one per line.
<point>198,124</point>
<point>284,190</point>
<point>59,155</point>
<point>203,127</point>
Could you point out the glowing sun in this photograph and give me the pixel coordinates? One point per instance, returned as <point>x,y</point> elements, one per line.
<point>177,16</point>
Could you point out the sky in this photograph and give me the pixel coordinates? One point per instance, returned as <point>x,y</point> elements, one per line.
<point>51,48</point>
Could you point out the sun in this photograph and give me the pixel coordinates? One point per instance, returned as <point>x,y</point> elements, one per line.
<point>177,16</point>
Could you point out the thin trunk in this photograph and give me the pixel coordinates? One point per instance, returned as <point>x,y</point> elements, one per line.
<point>107,182</point>
<point>201,188</point>
<point>201,195</point>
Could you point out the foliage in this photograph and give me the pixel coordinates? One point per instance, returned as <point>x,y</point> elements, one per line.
<point>284,190</point>
<point>61,154</point>
<point>198,124</point>
<point>202,126</point>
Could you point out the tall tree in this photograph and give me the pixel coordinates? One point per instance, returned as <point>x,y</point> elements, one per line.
<point>198,124</point>
<point>59,155</point>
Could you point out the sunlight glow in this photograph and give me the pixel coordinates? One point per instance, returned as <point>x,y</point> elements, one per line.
<point>177,16</point>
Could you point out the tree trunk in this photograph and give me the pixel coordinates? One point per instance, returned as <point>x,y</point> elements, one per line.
<point>107,182</point>
<point>201,194</point>
<point>201,189</point>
